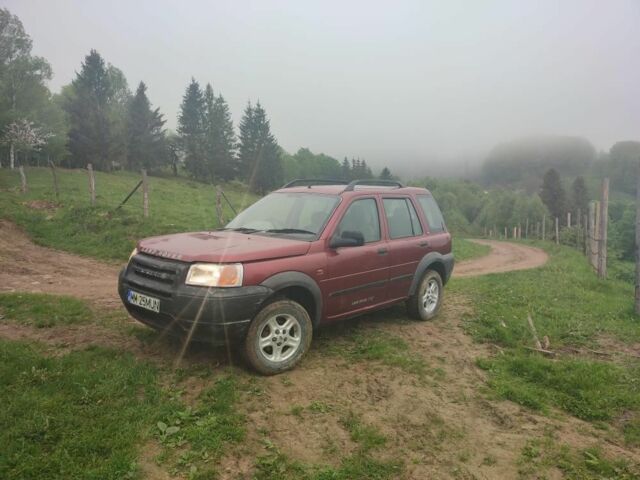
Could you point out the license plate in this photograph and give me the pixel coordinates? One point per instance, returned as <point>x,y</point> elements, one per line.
<point>143,301</point>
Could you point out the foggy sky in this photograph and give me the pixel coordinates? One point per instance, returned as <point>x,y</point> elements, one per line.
<point>393,82</point>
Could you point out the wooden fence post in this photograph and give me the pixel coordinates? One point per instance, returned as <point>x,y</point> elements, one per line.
<point>604,216</point>
<point>569,219</point>
<point>505,233</point>
<point>526,229</point>
<point>92,184</point>
<point>145,194</point>
<point>23,179</point>
<point>544,224</point>
<point>637,291</point>
<point>56,190</point>
<point>219,206</point>
<point>585,233</point>
<point>557,233</point>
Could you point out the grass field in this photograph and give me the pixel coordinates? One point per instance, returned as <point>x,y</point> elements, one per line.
<point>72,224</point>
<point>580,315</point>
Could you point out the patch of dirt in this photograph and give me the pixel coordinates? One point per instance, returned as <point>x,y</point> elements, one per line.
<point>26,267</point>
<point>41,205</point>
<point>504,257</point>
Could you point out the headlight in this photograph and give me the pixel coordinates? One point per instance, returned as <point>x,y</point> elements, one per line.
<point>135,252</point>
<point>214,275</point>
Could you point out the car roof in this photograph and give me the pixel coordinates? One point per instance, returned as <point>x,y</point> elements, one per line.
<point>358,190</point>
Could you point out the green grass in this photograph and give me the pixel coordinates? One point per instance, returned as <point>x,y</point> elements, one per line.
<point>464,249</point>
<point>176,205</point>
<point>42,310</point>
<point>539,455</point>
<point>77,416</point>
<point>371,345</point>
<point>574,309</point>
<point>195,438</point>
<point>360,464</point>
<point>88,414</point>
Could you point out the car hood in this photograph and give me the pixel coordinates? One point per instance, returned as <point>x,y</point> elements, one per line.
<point>221,247</point>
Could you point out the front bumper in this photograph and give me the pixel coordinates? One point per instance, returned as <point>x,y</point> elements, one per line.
<point>214,315</point>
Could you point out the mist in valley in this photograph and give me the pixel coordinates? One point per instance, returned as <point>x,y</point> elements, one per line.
<point>424,88</point>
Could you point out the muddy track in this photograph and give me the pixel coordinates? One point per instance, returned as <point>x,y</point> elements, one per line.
<point>27,267</point>
<point>504,257</point>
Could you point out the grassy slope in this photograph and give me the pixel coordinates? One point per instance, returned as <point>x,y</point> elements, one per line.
<point>576,311</point>
<point>175,205</point>
<point>463,249</point>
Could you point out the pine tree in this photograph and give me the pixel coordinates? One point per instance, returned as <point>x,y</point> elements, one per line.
<point>221,139</point>
<point>91,132</point>
<point>552,193</point>
<point>579,195</point>
<point>209,126</point>
<point>191,129</point>
<point>146,143</point>
<point>259,151</point>
<point>385,174</point>
<point>346,169</point>
<point>247,143</point>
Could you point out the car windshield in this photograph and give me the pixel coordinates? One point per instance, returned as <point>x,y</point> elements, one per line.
<point>298,214</point>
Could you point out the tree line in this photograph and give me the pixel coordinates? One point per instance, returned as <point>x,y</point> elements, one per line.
<point>97,119</point>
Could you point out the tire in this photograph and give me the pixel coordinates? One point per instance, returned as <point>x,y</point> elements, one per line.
<point>271,349</point>
<point>424,306</point>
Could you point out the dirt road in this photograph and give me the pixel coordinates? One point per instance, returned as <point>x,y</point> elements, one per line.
<point>26,267</point>
<point>504,257</point>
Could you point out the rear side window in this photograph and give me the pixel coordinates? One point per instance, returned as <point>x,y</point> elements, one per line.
<point>401,218</point>
<point>362,216</point>
<point>432,213</point>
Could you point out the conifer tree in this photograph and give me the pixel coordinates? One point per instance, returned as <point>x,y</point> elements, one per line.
<point>146,143</point>
<point>92,136</point>
<point>552,193</point>
<point>221,139</point>
<point>259,151</point>
<point>191,129</point>
<point>385,174</point>
<point>346,169</point>
<point>579,195</point>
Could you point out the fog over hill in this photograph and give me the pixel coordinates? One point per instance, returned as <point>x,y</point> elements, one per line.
<point>416,85</point>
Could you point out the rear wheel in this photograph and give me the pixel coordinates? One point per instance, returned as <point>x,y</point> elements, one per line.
<point>425,303</point>
<point>278,337</point>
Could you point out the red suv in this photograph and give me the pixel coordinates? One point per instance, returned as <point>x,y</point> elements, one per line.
<point>310,253</point>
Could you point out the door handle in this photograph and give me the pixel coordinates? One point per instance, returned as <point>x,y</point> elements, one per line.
<point>382,251</point>
<point>423,244</point>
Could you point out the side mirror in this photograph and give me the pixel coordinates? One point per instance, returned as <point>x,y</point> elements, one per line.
<point>347,239</point>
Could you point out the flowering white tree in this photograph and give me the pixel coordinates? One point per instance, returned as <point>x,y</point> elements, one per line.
<point>23,135</point>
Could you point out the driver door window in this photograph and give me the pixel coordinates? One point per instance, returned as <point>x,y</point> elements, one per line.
<point>362,216</point>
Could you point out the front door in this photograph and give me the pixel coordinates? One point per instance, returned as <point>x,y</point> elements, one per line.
<point>357,277</point>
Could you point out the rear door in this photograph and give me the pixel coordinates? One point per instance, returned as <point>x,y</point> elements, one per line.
<point>439,237</point>
<point>357,276</point>
<point>407,244</point>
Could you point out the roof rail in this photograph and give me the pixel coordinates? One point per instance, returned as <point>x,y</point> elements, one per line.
<point>373,183</point>
<point>309,182</point>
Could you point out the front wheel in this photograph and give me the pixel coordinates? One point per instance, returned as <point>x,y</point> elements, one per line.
<point>278,337</point>
<point>425,303</point>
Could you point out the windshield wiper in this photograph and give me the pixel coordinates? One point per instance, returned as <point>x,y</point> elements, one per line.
<point>289,230</point>
<point>239,229</point>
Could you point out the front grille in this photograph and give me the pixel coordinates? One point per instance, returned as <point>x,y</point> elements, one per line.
<point>155,275</point>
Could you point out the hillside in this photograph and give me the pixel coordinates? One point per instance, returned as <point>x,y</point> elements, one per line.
<point>72,224</point>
